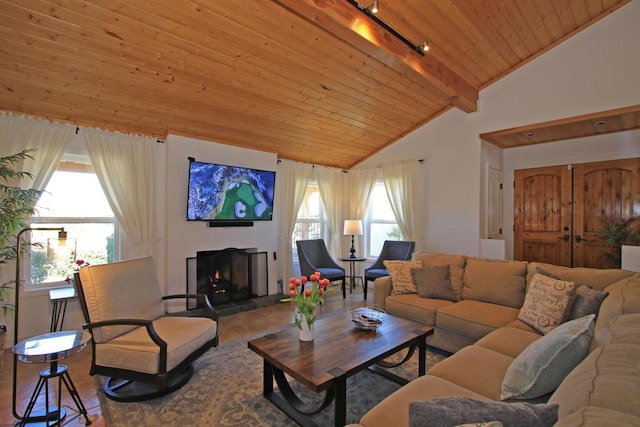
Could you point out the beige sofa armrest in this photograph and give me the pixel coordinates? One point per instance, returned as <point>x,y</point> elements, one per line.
<point>381,290</point>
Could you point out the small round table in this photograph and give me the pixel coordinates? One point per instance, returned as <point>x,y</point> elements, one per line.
<point>352,273</point>
<point>51,348</point>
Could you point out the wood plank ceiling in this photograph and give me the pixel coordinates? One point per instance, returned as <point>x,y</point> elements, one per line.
<point>316,81</point>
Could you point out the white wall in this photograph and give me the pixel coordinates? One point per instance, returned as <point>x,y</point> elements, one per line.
<point>597,69</point>
<point>182,238</point>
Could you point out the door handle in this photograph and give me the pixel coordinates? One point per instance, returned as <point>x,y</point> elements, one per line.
<point>580,239</point>
<point>565,238</point>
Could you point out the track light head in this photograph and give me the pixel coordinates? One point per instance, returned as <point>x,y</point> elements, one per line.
<point>374,7</point>
<point>424,46</point>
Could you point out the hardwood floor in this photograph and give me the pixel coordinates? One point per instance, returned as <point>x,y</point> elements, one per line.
<point>230,327</point>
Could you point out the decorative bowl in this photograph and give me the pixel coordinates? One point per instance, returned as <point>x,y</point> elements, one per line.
<point>366,318</point>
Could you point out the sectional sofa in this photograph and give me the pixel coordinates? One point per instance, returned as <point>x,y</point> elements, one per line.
<point>586,364</point>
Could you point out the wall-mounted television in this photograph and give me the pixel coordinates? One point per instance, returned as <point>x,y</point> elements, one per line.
<point>229,194</point>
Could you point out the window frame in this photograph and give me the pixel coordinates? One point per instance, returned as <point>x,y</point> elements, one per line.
<point>369,221</point>
<point>322,220</point>
<point>39,221</point>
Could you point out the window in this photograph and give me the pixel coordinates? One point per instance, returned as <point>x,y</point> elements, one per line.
<point>74,200</point>
<point>380,221</point>
<point>311,222</point>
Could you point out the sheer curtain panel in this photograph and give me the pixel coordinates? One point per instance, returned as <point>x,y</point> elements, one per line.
<point>125,166</point>
<point>291,183</point>
<point>46,138</point>
<point>331,181</point>
<point>400,181</point>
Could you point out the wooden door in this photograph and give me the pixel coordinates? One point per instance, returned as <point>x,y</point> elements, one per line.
<point>559,210</point>
<point>542,223</point>
<point>602,190</point>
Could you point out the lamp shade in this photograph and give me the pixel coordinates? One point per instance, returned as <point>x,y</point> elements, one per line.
<point>352,227</point>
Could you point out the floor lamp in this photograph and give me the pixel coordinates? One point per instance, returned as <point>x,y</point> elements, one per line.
<point>61,235</point>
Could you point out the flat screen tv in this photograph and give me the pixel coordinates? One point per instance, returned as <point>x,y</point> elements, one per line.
<point>221,193</point>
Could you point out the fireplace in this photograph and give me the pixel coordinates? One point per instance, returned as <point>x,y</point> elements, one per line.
<point>228,275</point>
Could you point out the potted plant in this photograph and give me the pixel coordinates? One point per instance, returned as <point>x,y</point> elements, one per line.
<point>617,232</point>
<point>16,206</point>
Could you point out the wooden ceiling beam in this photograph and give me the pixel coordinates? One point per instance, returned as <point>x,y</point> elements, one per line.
<point>344,21</point>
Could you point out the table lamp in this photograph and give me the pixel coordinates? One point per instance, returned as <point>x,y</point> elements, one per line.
<point>352,227</point>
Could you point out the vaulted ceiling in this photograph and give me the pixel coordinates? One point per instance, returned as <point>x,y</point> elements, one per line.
<point>318,81</point>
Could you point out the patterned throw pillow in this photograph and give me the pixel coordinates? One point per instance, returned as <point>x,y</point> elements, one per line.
<point>401,279</point>
<point>433,281</point>
<point>547,303</point>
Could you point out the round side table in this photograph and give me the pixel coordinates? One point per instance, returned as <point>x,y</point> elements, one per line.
<point>352,273</point>
<point>51,348</point>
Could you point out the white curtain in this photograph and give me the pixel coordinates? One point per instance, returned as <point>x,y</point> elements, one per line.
<point>125,167</point>
<point>361,184</point>
<point>46,138</point>
<point>331,181</point>
<point>402,182</point>
<point>291,183</point>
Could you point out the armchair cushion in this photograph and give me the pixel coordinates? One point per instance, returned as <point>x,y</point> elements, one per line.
<point>135,351</point>
<point>123,290</point>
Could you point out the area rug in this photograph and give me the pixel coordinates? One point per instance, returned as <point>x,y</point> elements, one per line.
<point>226,390</point>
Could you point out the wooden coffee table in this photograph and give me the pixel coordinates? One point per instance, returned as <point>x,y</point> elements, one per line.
<point>338,351</point>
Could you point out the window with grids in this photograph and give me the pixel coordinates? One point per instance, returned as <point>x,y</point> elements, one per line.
<point>380,222</point>
<point>73,199</point>
<point>311,222</point>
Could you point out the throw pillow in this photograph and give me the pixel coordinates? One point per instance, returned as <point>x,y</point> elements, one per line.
<point>433,282</point>
<point>547,303</point>
<point>542,366</point>
<point>450,411</point>
<point>586,301</point>
<point>400,272</point>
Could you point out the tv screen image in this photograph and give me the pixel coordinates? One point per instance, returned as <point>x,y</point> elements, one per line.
<point>229,193</point>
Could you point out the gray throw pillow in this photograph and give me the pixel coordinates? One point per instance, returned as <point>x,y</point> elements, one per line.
<point>433,281</point>
<point>542,366</point>
<point>451,411</point>
<point>586,301</point>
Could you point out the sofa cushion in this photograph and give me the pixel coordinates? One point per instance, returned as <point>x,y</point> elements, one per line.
<point>594,277</point>
<point>394,409</point>
<point>456,265</point>
<point>547,303</point>
<point>591,416</point>
<point>474,318</point>
<point>433,281</point>
<point>542,366</point>
<point>623,298</point>
<point>476,368</point>
<point>608,378</point>
<point>411,306</point>
<point>508,340</point>
<point>451,411</point>
<point>495,281</point>
<point>621,329</point>
<point>586,301</point>
<point>401,279</point>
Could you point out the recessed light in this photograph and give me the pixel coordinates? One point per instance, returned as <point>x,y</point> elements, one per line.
<point>530,134</point>
<point>600,123</point>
